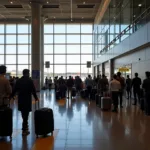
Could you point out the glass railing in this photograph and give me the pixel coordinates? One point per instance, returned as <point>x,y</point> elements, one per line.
<point>136,25</point>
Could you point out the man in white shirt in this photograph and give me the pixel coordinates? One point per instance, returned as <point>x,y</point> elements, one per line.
<point>115,87</point>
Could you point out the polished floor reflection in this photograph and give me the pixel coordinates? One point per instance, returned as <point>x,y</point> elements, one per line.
<point>79,124</point>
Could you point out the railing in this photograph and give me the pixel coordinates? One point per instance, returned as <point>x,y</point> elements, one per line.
<point>131,26</point>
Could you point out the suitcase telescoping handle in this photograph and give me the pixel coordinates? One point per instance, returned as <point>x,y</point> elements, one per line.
<point>37,103</point>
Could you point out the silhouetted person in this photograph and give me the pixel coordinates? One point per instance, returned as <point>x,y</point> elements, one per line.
<point>89,84</point>
<point>136,83</point>
<point>103,84</point>
<point>5,88</point>
<point>70,84</point>
<point>78,83</point>
<point>146,87</point>
<point>25,88</point>
<point>115,87</point>
<point>46,82</point>
<point>128,86</point>
<point>122,82</point>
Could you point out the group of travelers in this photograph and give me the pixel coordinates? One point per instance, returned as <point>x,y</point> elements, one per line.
<point>24,88</point>
<point>140,90</point>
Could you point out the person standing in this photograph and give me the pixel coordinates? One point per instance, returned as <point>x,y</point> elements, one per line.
<point>122,82</point>
<point>89,85</point>
<point>146,87</point>
<point>136,83</point>
<point>128,86</point>
<point>69,84</point>
<point>5,88</point>
<point>103,84</point>
<point>115,87</point>
<point>46,82</point>
<point>50,83</point>
<point>25,88</point>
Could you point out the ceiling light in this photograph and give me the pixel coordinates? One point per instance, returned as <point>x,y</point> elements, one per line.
<point>140,5</point>
<point>83,2</point>
<point>134,16</point>
<point>47,2</point>
<point>11,2</point>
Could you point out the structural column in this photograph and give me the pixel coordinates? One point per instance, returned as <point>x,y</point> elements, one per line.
<point>42,51</point>
<point>111,63</point>
<point>36,44</point>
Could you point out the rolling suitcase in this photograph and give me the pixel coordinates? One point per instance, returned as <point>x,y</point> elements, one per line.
<point>6,122</point>
<point>73,92</point>
<point>82,93</point>
<point>58,95</point>
<point>106,103</point>
<point>98,100</point>
<point>93,93</point>
<point>43,121</point>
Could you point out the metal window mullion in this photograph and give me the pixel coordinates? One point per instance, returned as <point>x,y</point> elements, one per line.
<point>53,52</point>
<point>66,49</point>
<point>17,49</point>
<point>29,47</point>
<point>80,51</point>
<point>4,44</point>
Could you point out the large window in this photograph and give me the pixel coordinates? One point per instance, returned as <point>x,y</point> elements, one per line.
<point>71,47</point>
<point>67,47</point>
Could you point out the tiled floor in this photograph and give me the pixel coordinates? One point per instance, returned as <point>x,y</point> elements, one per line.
<point>79,124</point>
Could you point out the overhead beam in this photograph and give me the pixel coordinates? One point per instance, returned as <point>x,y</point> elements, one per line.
<point>101,11</point>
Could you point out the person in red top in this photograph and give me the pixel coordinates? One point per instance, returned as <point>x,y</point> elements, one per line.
<point>122,82</point>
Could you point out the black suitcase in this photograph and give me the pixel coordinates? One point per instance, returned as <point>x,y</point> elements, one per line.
<point>6,122</point>
<point>43,121</point>
<point>93,93</point>
<point>73,92</point>
<point>58,95</point>
<point>82,93</point>
<point>98,100</point>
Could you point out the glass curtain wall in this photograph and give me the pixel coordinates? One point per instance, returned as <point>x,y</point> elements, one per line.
<point>122,18</point>
<point>68,47</point>
<point>15,49</point>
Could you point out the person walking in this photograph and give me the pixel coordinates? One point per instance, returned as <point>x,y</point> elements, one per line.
<point>146,87</point>
<point>128,86</point>
<point>25,89</point>
<point>136,83</point>
<point>115,87</point>
<point>5,87</point>
<point>122,82</point>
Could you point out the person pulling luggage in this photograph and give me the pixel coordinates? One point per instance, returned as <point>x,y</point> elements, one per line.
<point>5,88</point>
<point>25,89</point>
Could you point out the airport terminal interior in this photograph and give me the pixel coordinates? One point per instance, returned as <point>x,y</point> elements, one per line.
<point>77,38</point>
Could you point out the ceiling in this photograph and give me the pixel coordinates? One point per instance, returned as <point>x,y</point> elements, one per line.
<point>54,10</point>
